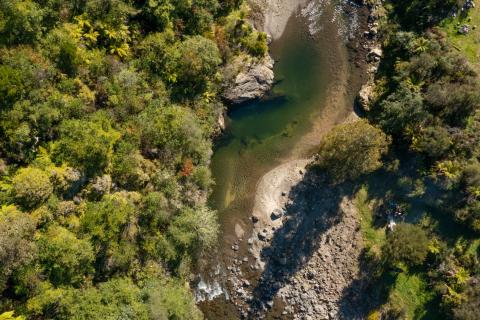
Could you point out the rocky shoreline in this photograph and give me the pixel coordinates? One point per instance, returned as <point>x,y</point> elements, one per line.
<point>305,250</point>
<point>374,56</point>
<point>248,79</point>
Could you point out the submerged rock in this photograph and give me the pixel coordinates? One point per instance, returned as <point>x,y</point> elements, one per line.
<point>248,79</point>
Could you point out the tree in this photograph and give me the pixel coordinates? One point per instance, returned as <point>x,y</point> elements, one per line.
<point>155,52</point>
<point>468,310</point>
<point>169,299</point>
<point>466,208</point>
<point>17,248</point>
<point>9,315</point>
<point>86,144</point>
<point>351,150</point>
<point>129,168</point>
<point>172,133</point>
<point>407,243</point>
<point>197,60</point>
<point>23,21</point>
<point>118,298</point>
<point>65,259</point>
<point>433,141</point>
<point>112,227</point>
<point>193,230</point>
<point>401,110</point>
<point>11,85</point>
<point>419,14</point>
<point>31,187</point>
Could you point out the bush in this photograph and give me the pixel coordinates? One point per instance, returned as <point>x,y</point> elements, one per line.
<point>351,150</point>
<point>408,244</point>
<point>65,259</point>
<point>31,187</point>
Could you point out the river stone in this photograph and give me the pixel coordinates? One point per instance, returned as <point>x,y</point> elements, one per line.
<point>276,214</point>
<point>262,235</point>
<point>374,55</point>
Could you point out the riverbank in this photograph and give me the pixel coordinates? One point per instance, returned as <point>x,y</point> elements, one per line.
<point>259,161</point>
<point>306,241</point>
<point>272,16</point>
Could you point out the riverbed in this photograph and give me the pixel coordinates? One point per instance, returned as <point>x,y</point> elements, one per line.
<point>316,80</point>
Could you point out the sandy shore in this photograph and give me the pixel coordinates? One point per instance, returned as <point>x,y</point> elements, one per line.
<point>276,14</point>
<point>272,194</point>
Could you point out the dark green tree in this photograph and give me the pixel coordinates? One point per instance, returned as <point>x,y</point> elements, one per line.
<point>351,150</point>
<point>408,244</point>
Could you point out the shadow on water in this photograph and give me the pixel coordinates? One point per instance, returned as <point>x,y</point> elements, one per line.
<point>314,209</point>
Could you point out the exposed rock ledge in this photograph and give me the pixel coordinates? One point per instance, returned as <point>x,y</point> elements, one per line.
<point>248,79</point>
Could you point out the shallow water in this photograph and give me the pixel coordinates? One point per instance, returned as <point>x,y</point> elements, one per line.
<point>263,134</point>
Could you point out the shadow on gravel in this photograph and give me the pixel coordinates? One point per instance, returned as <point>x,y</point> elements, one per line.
<point>313,209</point>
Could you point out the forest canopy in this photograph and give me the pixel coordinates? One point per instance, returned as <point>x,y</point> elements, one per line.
<point>107,111</point>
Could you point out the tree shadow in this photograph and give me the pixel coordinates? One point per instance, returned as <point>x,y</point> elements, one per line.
<point>375,281</point>
<point>314,207</point>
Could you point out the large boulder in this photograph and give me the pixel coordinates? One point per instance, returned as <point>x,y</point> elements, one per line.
<point>365,96</point>
<point>247,79</point>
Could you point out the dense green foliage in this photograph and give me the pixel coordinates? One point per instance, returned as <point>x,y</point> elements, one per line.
<point>427,97</point>
<point>107,110</point>
<point>406,244</point>
<point>351,150</point>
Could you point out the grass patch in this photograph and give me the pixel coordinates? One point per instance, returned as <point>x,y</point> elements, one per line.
<point>468,44</point>
<point>412,293</point>
<point>373,237</point>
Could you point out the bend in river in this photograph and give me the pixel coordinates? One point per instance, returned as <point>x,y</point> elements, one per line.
<point>315,83</point>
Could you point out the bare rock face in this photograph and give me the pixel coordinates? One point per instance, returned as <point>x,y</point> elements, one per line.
<point>248,79</point>
<point>365,96</point>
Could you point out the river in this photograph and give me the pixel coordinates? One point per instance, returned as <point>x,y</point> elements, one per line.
<point>315,80</point>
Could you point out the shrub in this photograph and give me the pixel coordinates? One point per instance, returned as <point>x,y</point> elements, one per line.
<point>351,150</point>
<point>408,244</point>
<point>31,187</point>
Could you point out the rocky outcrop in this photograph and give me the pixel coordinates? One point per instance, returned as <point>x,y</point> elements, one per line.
<point>366,95</point>
<point>247,79</point>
